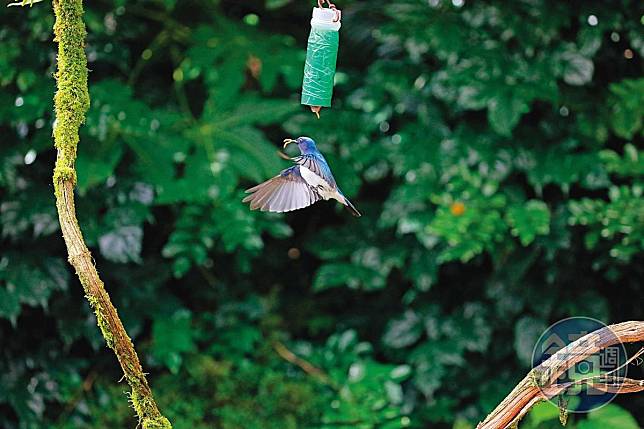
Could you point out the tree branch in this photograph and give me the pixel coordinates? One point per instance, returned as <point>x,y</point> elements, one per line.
<point>539,385</point>
<point>306,366</point>
<point>71,103</point>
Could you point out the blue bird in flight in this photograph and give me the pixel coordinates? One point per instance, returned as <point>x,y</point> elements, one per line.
<point>299,186</point>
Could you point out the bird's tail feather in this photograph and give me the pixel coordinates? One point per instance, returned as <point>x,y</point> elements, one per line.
<point>354,211</point>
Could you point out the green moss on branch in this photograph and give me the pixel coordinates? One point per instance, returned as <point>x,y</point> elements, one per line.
<point>71,101</point>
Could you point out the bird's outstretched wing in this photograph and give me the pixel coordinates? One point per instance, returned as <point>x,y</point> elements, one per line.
<point>318,165</point>
<point>283,193</point>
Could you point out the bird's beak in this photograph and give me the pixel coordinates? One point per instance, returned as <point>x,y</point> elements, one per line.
<point>287,141</point>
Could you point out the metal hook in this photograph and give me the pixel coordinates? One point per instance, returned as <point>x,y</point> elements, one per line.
<point>338,13</point>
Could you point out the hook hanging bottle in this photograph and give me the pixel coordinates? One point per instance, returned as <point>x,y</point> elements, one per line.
<point>321,56</point>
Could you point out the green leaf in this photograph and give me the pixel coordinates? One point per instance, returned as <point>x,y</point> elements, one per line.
<point>29,281</point>
<point>400,373</point>
<point>122,244</point>
<point>96,163</point>
<point>609,416</point>
<point>577,69</point>
<point>251,111</point>
<point>333,275</point>
<point>526,333</point>
<point>9,302</point>
<point>504,112</point>
<point>404,331</point>
<point>461,423</point>
<point>249,153</point>
<point>630,164</point>
<point>627,110</point>
<point>172,337</point>
<point>527,220</point>
<point>276,4</point>
<point>542,412</point>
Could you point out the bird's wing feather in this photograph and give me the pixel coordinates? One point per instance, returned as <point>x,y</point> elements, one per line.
<point>317,164</point>
<point>283,193</point>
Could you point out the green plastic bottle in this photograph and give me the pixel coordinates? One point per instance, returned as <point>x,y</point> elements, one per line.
<point>321,56</point>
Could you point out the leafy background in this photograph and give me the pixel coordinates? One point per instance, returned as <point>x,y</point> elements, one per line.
<point>492,147</point>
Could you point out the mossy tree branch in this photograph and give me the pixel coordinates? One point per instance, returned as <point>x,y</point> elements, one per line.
<point>71,103</point>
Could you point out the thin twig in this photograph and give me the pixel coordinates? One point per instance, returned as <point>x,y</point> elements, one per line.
<point>625,364</point>
<point>306,366</point>
<point>615,385</point>
<point>86,386</point>
<point>24,3</point>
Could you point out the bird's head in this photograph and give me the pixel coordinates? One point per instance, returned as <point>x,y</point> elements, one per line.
<point>306,144</point>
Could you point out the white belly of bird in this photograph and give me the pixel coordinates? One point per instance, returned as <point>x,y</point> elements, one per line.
<point>322,186</point>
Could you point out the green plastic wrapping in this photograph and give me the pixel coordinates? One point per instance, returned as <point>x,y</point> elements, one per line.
<point>319,69</point>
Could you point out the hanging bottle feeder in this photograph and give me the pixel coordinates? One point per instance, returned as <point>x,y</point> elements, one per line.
<point>321,56</point>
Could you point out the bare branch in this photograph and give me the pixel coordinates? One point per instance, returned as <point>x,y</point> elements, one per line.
<point>539,385</point>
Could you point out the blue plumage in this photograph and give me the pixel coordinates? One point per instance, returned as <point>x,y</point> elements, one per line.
<point>299,186</point>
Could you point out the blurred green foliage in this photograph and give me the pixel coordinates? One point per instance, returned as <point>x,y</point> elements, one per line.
<point>492,146</point>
